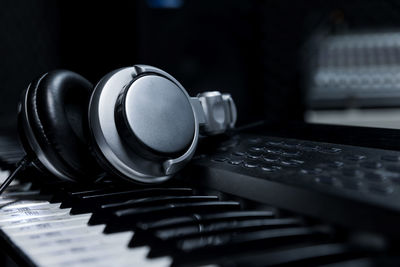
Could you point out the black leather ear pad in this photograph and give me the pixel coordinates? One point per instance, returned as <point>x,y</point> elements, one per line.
<point>57,105</point>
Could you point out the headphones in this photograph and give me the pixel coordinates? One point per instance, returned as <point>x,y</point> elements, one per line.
<point>137,123</point>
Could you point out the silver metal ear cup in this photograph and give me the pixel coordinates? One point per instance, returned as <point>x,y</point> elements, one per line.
<point>143,123</point>
<point>151,113</point>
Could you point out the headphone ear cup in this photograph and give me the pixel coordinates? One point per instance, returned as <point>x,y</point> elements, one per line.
<point>55,126</point>
<point>143,124</point>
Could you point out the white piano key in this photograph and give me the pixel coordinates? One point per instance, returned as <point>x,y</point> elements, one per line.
<point>6,211</point>
<point>6,201</point>
<point>82,250</point>
<point>37,246</point>
<point>88,258</point>
<point>73,231</point>
<point>88,240</point>
<point>13,203</point>
<point>134,256</point>
<point>136,260</point>
<point>32,214</point>
<point>29,221</point>
<point>54,222</point>
<point>27,204</point>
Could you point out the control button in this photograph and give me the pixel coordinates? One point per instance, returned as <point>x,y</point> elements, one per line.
<point>267,168</point>
<point>254,155</point>
<point>290,153</point>
<point>254,140</point>
<point>270,158</point>
<point>288,163</point>
<point>371,165</point>
<point>290,144</point>
<point>219,159</point>
<point>355,157</point>
<point>256,148</point>
<point>235,162</point>
<point>391,158</point>
<point>309,147</point>
<point>277,167</point>
<point>250,165</point>
<point>238,153</point>
<point>336,164</point>
<point>330,150</point>
<point>275,143</point>
<point>297,161</point>
<point>272,151</point>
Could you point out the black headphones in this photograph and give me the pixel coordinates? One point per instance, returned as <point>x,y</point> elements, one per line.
<point>138,123</point>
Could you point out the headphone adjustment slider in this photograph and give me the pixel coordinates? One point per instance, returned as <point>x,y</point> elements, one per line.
<point>219,112</point>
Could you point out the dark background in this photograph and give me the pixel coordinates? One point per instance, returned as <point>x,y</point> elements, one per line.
<point>253,49</point>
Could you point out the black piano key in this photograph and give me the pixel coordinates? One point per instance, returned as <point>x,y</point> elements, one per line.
<point>101,214</point>
<point>231,215</point>
<point>228,242</point>
<point>194,222</point>
<point>76,198</point>
<point>203,229</point>
<point>87,202</point>
<point>126,219</point>
<point>166,238</point>
<point>65,192</point>
<point>70,195</point>
<point>178,193</point>
<point>273,237</point>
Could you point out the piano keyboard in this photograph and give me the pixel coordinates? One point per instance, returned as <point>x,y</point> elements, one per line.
<point>50,236</point>
<point>59,224</point>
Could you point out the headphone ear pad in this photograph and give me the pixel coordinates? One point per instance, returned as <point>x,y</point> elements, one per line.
<point>56,107</point>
